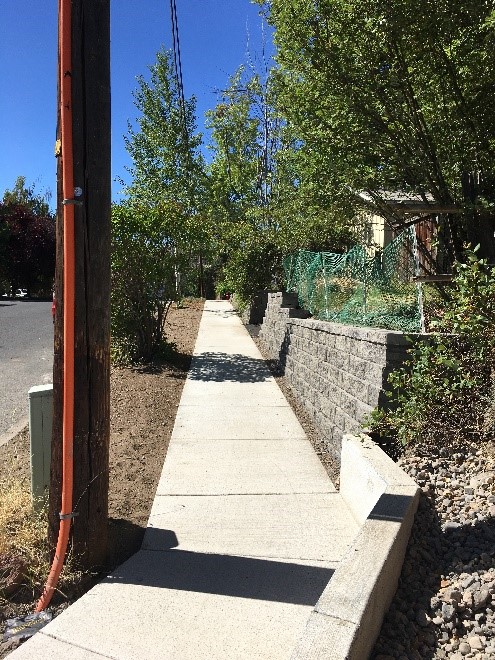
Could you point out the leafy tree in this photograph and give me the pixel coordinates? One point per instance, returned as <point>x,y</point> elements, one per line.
<point>256,184</point>
<point>389,96</point>
<point>4,239</point>
<point>245,134</point>
<point>144,267</point>
<point>159,232</point>
<point>27,240</point>
<point>307,217</point>
<point>167,163</point>
<point>26,196</point>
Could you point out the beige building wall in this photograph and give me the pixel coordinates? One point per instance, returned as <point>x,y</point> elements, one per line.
<point>379,234</point>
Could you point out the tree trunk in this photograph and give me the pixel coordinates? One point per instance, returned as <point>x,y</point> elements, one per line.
<point>480,227</point>
<point>91,133</point>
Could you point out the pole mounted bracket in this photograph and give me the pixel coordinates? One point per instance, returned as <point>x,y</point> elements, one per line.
<point>75,202</point>
<point>67,516</point>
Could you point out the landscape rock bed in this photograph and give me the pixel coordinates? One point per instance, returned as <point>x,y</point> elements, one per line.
<point>445,604</point>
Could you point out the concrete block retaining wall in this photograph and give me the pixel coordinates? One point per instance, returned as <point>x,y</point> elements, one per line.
<point>338,372</point>
<point>253,314</point>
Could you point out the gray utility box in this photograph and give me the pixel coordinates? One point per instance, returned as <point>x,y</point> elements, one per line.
<point>40,432</point>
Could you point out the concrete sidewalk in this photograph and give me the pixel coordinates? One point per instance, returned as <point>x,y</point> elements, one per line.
<point>245,531</point>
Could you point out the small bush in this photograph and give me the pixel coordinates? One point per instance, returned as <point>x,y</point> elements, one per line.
<point>443,394</point>
<point>144,281</point>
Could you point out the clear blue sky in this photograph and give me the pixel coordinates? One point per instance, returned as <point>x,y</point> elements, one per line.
<point>215,37</point>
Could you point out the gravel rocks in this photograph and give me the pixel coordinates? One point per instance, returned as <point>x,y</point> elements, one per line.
<point>445,603</point>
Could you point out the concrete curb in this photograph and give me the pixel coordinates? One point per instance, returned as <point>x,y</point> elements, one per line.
<point>347,618</point>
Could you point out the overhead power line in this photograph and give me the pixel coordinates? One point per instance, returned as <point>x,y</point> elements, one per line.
<point>178,63</point>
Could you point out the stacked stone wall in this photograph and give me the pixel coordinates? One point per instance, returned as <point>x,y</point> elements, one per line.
<point>255,311</point>
<point>338,372</point>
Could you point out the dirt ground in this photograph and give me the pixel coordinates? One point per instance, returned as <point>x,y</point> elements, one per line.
<point>143,406</point>
<point>144,402</point>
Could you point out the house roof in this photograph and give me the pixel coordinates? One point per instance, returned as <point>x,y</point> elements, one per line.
<point>404,208</point>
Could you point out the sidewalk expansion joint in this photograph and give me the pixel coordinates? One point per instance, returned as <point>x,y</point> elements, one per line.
<point>309,492</point>
<point>78,646</point>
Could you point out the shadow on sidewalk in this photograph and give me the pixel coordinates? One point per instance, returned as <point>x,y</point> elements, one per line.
<point>221,367</point>
<point>239,577</point>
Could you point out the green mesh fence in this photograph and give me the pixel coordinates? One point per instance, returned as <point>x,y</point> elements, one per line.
<point>359,288</point>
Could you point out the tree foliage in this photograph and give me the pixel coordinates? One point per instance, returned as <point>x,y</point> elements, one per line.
<point>143,282</point>
<point>388,95</point>
<point>256,183</point>
<point>241,176</point>
<point>27,240</point>
<point>23,195</point>
<point>160,230</point>
<point>167,164</point>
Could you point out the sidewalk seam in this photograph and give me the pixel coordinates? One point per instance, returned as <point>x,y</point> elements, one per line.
<point>311,492</point>
<point>77,646</point>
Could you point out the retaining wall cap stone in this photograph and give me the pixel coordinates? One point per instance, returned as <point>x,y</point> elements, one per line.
<point>373,335</point>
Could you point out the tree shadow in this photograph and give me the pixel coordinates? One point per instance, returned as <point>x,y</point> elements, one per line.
<point>253,329</point>
<point>222,313</point>
<point>173,360</point>
<point>222,367</point>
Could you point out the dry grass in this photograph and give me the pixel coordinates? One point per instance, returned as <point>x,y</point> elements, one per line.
<point>23,545</point>
<point>24,550</point>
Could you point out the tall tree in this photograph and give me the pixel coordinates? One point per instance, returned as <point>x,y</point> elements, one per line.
<point>24,195</point>
<point>245,135</point>
<point>168,170</point>
<point>242,145</point>
<point>257,182</point>
<point>27,241</point>
<point>389,95</point>
<point>160,232</point>
<point>164,146</point>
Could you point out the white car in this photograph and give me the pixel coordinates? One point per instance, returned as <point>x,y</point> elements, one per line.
<point>21,293</point>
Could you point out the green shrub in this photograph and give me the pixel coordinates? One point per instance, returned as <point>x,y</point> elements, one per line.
<point>442,395</point>
<point>253,264</point>
<point>144,264</point>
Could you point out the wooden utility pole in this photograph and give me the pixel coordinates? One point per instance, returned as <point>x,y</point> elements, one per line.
<point>90,75</point>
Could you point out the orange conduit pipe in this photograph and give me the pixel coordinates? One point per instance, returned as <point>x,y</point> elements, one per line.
<point>66,513</point>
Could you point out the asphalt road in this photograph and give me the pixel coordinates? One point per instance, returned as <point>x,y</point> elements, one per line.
<point>26,358</point>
